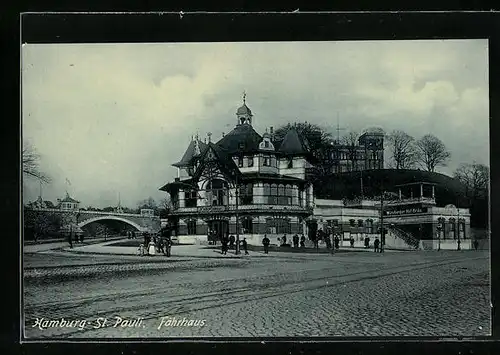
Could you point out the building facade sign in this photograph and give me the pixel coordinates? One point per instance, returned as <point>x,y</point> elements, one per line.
<point>211,209</point>
<point>411,210</point>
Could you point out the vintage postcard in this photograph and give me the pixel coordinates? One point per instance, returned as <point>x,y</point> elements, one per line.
<point>255,189</point>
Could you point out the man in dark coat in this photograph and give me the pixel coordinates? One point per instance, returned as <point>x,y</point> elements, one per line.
<point>295,241</point>
<point>168,245</point>
<point>367,242</point>
<point>224,242</point>
<point>266,242</point>
<point>232,239</point>
<point>337,242</point>
<point>376,245</point>
<point>352,242</point>
<point>244,243</point>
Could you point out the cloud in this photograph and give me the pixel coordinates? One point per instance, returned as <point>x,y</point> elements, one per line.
<point>113,117</point>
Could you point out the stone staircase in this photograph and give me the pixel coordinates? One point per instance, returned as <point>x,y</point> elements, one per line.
<point>410,240</point>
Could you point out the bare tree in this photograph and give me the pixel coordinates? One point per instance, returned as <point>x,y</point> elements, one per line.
<point>31,160</point>
<point>475,177</point>
<point>403,149</point>
<point>165,207</point>
<point>431,152</point>
<point>350,141</point>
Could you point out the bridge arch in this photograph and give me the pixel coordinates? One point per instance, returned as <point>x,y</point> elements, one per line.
<point>115,218</point>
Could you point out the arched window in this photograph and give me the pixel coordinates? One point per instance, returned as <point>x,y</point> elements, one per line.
<point>277,225</point>
<point>452,233</point>
<point>461,228</point>
<point>191,227</point>
<point>369,226</point>
<point>217,192</point>
<point>273,196</point>
<point>246,194</point>
<point>289,194</point>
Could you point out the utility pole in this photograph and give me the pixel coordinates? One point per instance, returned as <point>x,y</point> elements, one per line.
<point>237,251</point>
<point>458,222</point>
<point>382,234</point>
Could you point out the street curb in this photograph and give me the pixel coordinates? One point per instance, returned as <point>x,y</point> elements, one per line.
<point>176,256</point>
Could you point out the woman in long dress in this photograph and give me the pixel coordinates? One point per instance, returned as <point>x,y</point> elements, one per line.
<point>152,248</point>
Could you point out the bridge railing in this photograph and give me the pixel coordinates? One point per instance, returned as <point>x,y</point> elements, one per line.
<point>93,212</point>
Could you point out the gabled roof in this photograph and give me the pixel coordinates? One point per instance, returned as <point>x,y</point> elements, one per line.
<point>242,138</point>
<point>293,144</point>
<point>190,153</point>
<point>223,159</point>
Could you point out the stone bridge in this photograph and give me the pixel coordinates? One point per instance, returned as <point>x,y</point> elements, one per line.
<point>80,218</point>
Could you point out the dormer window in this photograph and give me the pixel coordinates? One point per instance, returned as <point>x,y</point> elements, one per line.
<point>241,145</point>
<point>250,161</point>
<point>266,144</point>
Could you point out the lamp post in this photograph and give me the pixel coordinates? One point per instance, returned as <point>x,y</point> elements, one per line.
<point>237,250</point>
<point>439,228</point>
<point>458,224</point>
<point>382,232</point>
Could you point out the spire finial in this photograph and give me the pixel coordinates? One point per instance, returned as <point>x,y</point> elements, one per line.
<point>209,134</point>
<point>244,97</point>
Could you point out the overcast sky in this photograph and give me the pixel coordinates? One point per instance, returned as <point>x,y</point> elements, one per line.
<point>112,118</point>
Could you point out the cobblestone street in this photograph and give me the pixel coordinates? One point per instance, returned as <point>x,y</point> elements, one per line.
<point>347,294</point>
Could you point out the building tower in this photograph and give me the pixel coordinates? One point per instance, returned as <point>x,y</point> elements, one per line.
<point>243,113</point>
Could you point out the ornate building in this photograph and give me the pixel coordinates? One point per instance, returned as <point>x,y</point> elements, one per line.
<point>367,154</point>
<point>243,181</point>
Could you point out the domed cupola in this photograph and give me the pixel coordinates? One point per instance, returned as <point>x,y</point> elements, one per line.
<point>244,113</point>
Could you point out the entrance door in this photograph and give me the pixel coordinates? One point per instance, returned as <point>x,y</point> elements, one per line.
<point>218,228</point>
<point>312,227</point>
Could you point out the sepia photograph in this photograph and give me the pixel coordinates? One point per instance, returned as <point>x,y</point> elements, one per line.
<point>255,189</point>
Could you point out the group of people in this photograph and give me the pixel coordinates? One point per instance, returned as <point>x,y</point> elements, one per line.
<point>229,242</point>
<point>153,244</point>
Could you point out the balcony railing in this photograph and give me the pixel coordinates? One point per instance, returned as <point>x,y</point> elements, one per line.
<point>243,208</point>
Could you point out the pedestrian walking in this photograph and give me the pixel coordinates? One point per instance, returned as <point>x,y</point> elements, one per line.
<point>141,249</point>
<point>476,244</point>
<point>168,246</point>
<point>302,241</point>
<point>284,239</point>
<point>151,248</point>
<point>245,245</point>
<point>376,245</point>
<point>295,241</point>
<point>458,244</point>
<point>232,239</point>
<point>337,242</point>
<point>224,242</point>
<point>367,243</point>
<point>266,242</point>
<point>352,242</point>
